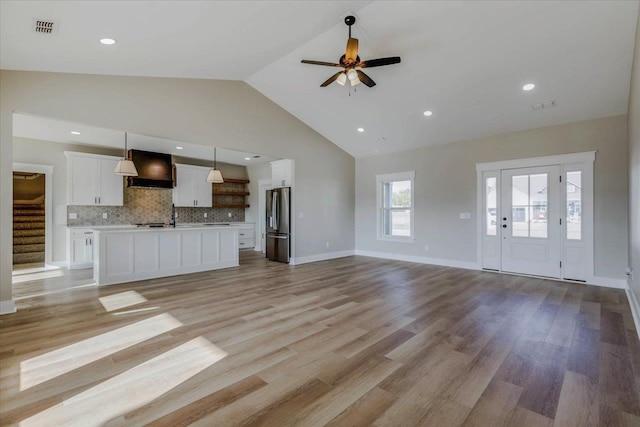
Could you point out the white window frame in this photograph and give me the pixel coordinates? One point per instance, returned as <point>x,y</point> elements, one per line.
<point>390,177</point>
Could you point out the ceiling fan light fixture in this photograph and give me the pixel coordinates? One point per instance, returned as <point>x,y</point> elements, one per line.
<point>342,79</point>
<point>352,75</point>
<point>355,81</point>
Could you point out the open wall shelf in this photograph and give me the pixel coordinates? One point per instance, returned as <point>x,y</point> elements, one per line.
<point>230,194</point>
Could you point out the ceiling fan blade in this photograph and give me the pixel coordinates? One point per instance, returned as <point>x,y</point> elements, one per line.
<point>352,50</point>
<point>365,79</point>
<point>327,64</point>
<point>331,79</point>
<point>380,62</point>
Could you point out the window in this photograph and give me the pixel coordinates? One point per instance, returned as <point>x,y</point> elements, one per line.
<point>395,206</point>
<point>574,205</point>
<point>529,205</point>
<point>491,198</point>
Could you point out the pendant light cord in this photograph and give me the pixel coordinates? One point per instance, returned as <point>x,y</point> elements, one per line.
<point>125,146</point>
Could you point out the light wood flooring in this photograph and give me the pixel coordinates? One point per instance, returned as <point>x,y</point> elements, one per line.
<point>350,342</point>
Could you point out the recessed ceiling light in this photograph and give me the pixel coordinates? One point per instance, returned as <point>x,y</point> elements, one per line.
<point>428,113</point>
<point>247,158</point>
<point>360,130</point>
<point>178,148</point>
<point>528,86</point>
<point>107,41</point>
<point>75,132</point>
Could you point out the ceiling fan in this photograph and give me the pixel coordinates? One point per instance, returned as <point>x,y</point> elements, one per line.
<point>350,62</point>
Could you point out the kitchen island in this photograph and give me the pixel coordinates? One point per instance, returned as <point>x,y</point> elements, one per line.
<point>128,254</point>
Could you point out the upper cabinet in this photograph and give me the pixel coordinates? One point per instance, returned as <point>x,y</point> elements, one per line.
<point>192,188</point>
<point>282,173</point>
<point>91,181</point>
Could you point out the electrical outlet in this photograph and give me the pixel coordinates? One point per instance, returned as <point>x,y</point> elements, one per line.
<point>205,214</point>
<point>176,215</point>
<point>465,215</point>
<point>73,215</point>
<point>229,214</point>
<point>104,215</point>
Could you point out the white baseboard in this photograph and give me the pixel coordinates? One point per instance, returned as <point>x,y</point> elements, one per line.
<point>60,264</point>
<point>257,249</point>
<point>608,282</point>
<point>320,257</point>
<point>635,309</point>
<point>421,260</point>
<point>7,307</point>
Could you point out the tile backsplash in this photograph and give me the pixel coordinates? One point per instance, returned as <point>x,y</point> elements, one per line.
<point>142,205</point>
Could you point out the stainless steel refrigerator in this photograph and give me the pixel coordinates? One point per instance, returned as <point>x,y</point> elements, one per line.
<point>279,224</point>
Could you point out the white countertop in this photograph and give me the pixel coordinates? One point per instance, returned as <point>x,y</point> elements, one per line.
<point>181,227</point>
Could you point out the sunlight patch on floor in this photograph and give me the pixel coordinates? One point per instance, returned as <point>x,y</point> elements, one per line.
<point>22,271</point>
<point>56,291</point>
<point>21,278</point>
<point>121,300</point>
<point>139,310</point>
<point>131,389</point>
<point>58,362</point>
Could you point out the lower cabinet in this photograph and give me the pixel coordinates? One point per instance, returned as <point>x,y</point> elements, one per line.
<point>246,235</point>
<point>80,247</point>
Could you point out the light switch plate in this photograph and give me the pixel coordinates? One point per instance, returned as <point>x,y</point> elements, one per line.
<point>465,215</point>
<point>205,214</point>
<point>104,215</point>
<point>73,215</point>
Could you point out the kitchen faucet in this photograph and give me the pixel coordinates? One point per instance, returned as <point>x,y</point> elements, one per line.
<point>172,223</point>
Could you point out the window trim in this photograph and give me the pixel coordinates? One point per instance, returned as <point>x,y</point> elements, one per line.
<point>390,177</point>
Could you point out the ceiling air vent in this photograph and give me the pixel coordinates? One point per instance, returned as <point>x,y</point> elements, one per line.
<point>44,26</point>
<point>544,105</point>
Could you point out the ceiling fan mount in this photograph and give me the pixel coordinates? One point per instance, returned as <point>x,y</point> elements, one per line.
<point>350,20</point>
<point>350,62</point>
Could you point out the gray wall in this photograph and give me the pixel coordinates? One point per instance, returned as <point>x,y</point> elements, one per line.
<point>445,185</point>
<point>634,169</point>
<point>230,114</point>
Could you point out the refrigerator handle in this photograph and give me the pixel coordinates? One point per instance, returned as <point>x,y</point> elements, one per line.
<point>274,210</point>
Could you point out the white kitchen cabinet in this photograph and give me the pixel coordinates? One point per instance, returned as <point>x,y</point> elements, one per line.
<point>91,181</point>
<point>282,173</point>
<point>80,248</point>
<point>246,235</point>
<point>192,188</point>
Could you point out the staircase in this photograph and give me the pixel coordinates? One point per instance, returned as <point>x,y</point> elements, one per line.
<point>28,234</point>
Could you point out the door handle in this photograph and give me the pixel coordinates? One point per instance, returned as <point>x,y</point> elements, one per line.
<point>276,237</point>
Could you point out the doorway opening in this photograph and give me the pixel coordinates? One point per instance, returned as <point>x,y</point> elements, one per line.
<point>536,216</point>
<point>28,220</point>
<point>32,217</point>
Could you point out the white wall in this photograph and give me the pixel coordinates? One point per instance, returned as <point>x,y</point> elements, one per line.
<point>634,169</point>
<point>445,186</point>
<point>229,114</point>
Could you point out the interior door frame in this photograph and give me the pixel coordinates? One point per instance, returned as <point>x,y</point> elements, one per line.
<point>568,162</point>
<point>47,170</point>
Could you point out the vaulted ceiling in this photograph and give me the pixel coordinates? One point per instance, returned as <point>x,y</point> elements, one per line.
<point>464,61</point>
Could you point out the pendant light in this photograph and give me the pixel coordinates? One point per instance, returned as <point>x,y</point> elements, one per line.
<point>215,176</point>
<point>125,167</point>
